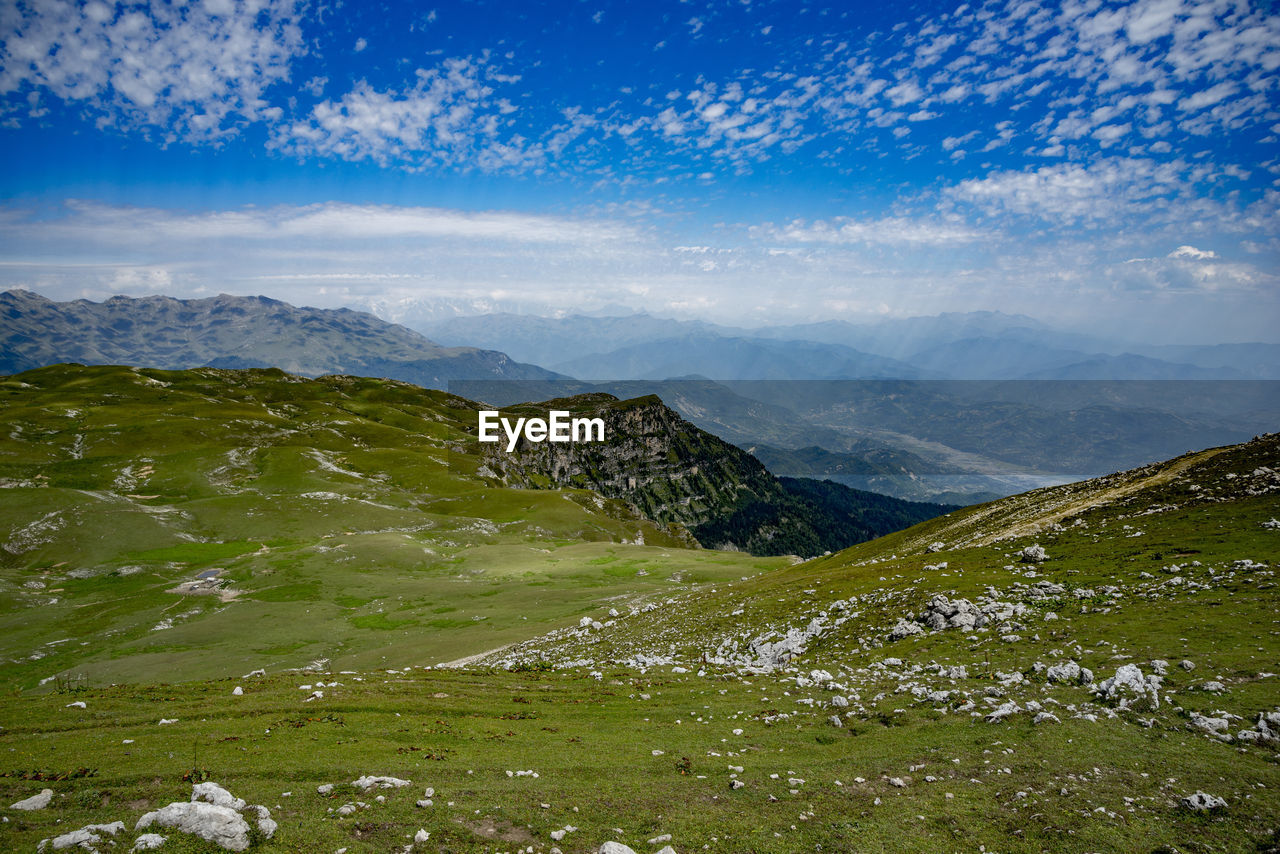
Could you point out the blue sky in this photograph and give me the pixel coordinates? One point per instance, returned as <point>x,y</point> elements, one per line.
<point>1111,167</point>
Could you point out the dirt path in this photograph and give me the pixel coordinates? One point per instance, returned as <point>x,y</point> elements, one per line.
<point>467,660</point>
<point>1106,496</point>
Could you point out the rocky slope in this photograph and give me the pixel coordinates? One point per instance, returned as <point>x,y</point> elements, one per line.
<point>676,473</point>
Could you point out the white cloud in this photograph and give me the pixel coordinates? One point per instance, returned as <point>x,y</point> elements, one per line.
<point>1192,253</point>
<point>450,117</point>
<point>897,231</point>
<point>88,223</point>
<point>1100,192</point>
<point>183,71</point>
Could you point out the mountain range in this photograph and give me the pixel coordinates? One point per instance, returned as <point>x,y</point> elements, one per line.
<point>975,345</point>
<point>234,332</point>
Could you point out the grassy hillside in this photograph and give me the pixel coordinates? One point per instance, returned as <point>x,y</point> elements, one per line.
<point>705,712</point>
<point>179,525</point>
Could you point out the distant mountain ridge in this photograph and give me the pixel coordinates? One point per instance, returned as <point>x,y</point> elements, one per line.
<point>969,345</point>
<point>234,332</point>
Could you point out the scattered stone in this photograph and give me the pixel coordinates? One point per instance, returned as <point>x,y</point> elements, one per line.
<point>324,788</point>
<point>237,691</point>
<point>147,842</point>
<point>35,802</point>
<point>421,836</point>
<point>1046,718</point>
<point>368,782</point>
<point>1187,665</point>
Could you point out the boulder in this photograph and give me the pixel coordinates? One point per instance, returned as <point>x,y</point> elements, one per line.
<point>220,825</point>
<point>1203,802</point>
<point>35,802</point>
<point>615,848</point>
<point>1129,689</point>
<point>905,628</point>
<point>1033,554</point>
<point>1070,673</point>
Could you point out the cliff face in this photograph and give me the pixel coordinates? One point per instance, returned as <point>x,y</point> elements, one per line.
<point>684,477</point>
<point>670,470</point>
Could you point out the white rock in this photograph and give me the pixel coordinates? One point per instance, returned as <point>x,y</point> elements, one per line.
<point>266,825</point>
<point>86,837</point>
<point>214,794</point>
<point>147,842</point>
<point>1046,718</point>
<point>1203,801</point>
<point>615,848</point>
<point>421,836</point>
<point>35,802</point>
<point>1069,672</point>
<point>1129,689</point>
<point>324,788</point>
<point>658,840</point>
<point>78,704</point>
<point>222,826</point>
<point>1004,711</point>
<point>237,691</point>
<point>368,782</point>
<point>1033,554</point>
